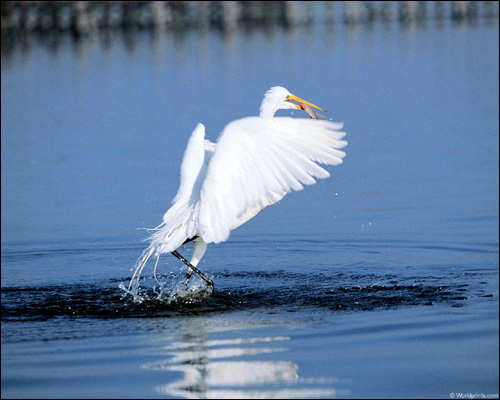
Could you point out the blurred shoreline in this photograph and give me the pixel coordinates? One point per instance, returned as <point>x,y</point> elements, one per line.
<point>84,18</point>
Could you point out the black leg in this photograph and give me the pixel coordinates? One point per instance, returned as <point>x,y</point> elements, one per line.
<point>193,268</point>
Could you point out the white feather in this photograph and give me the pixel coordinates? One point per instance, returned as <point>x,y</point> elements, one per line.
<point>255,163</point>
<point>258,161</point>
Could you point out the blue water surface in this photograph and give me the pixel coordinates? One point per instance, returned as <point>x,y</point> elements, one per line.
<point>379,282</point>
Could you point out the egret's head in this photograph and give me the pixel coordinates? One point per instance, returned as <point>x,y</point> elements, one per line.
<point>278,98</point>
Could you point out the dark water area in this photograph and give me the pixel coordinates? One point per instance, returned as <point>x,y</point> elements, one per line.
<point>379,282</point>
<point>298,293</point>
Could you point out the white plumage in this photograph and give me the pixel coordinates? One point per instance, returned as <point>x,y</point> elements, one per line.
<point>255,163</point>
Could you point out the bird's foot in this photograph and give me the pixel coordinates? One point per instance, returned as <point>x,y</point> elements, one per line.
<point>191,269</point>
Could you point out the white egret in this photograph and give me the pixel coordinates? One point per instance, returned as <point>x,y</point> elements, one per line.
<point>255,163</point>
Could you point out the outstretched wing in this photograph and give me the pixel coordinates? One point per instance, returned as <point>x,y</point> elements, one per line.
<point>257,162</point>
<point>192,162</point>
<point>178,222</point>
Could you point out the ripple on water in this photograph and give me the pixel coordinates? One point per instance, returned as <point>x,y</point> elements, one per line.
<point>244,290</point>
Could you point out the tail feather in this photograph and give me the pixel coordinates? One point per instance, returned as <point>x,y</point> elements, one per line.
<point>181,225</point>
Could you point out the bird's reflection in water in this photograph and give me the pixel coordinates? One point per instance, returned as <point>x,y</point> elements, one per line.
<point>208,371</point>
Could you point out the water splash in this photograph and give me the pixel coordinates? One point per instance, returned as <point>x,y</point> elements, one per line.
<point>171,291</point>
<point>189,294</point>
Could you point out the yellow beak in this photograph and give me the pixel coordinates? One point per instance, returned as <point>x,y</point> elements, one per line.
<point>302,104</point>
<point>292,97</point>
